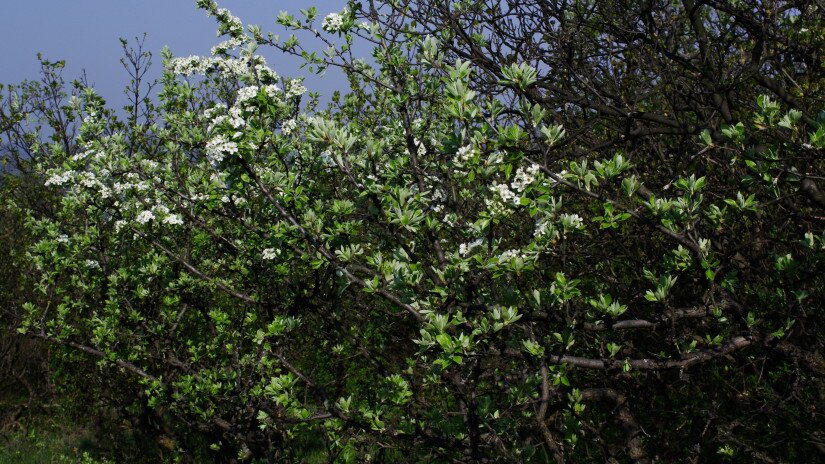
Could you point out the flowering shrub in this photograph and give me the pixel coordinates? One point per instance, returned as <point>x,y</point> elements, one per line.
<point>419,272</point>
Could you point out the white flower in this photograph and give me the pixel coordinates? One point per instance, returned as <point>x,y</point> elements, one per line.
<point>59,178</point>
<point>333,22</point>
<point>571,221</point>
<point>510,255</point>
<point>233,67</point>
<point>272,90</point>
<point>219,147</point>
<point>144,217</point>
<point>247,93</point>
<point>450,219</point>
<point>422,150</point>
<point>465,153</point>
<point>225,199</point>
<point>465,248</point>
<point>541,227</point>
<point>233,23</point>
<point>507,195</point>
<point>120,188</point>
<point>525,177</point>
<point>81,155</point>
<point>90,263</point>
<point>186,66</point>
<point>270,253</point>
<point>63,238</point>
<point>236,120</point>
<point>173,220</point>
<point>87,179</point>
<point>295,87</point>
<point>217,121</point>
<point>210,113</point>
<point>560,175</point>
<point>227,45</point>
<point>288,126</point>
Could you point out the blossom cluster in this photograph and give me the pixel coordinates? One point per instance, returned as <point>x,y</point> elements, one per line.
<point>270,253</point>
<point>218,147</point>
<point>333,22</point>
<point>465,154</point>
<point>247,93</point>
<point>525,177</point>
<point>229,67</point>
<point>294,88</point>
<point>466,248</point>
<point>288,126</point>
<point>223,47</point>
<point>509,255</point>
<point>231,24</point>
<point>504,194</point>
<point>60,178</point>
<point>571,222</point>
<point>144,217</point>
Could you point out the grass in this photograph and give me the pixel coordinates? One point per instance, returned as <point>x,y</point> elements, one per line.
<point>41,446</point>
<point>51,433</point>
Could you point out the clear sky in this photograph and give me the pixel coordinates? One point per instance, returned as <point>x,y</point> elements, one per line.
<point>85,33</point>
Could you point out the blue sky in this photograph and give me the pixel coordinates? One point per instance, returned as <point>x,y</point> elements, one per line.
<point>85,33</point>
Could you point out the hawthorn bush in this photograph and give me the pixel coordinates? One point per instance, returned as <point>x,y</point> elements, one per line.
<point>492,248</point>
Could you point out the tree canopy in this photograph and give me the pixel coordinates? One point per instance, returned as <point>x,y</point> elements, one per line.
<point>530,231</point>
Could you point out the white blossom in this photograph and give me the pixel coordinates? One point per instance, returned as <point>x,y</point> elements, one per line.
<point>121,187</point>
<point>465,154</point>
<point>294,88</point>
<point>525,177</point>
<point>465,248</point>
<point>247,93</point>
<point>60,178</point>
<point>509,255</point>
<point>87,179</point>
<point>288,126</point>
<point>218,147</point>
<point>571,221</point>
<point>272,90</point>
<point>270,253</point>
<point>505,193</point>
<point>144,217</point>
<point>333,22</point>
<point>210,113</point>
<point>173,219</point>
<point>233,23</point>
<point>222,47</point>
<point>542,226</point>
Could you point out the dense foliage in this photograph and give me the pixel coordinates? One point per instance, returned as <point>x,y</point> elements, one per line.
<point>530,232</point>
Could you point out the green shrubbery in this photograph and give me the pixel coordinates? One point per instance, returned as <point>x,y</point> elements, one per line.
<point>470,256</point>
